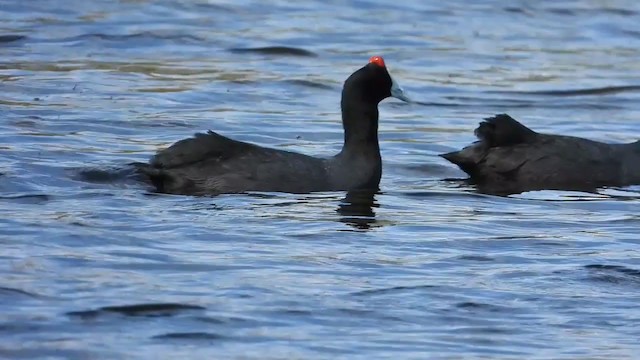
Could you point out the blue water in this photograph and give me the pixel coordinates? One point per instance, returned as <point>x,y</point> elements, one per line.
<point>427,269</point>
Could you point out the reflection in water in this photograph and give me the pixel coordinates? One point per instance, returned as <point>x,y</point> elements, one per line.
<point>357,209</point>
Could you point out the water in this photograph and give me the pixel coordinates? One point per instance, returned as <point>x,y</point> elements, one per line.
<point>426,269</point>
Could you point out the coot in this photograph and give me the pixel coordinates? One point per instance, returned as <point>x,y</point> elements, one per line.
<point>210,163</point>
<point>510,158</point>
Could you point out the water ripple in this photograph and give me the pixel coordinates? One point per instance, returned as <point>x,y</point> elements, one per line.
<point>98,266</point>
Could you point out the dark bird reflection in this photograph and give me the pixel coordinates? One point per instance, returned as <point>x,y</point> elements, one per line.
<point>356,209</point>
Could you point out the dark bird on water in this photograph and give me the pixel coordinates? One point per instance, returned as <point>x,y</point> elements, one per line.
<point>210,163</point>
<point>510,158</point>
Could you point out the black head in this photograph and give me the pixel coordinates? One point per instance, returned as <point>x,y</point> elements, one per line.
<point>372,83</point>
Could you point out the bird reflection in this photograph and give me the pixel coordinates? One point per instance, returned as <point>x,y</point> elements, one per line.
<point>356,209</point>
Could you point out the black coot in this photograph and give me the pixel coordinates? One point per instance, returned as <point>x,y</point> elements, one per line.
<point>511,158</point>
<point>209,164</point>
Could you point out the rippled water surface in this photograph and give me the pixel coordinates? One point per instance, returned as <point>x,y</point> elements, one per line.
<point>426,269</point>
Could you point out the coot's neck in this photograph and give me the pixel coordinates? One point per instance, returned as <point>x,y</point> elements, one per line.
<point>360,122</point>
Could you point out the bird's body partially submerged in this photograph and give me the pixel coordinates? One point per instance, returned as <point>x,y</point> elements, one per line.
<point>210,164</point>
<point>213,164</point>
<point>511,158</point>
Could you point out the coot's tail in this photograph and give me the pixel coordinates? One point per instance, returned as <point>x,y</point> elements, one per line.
<point>466,159</point>
<point>150,174</point>
<point>131,173</point>
<point>454,157</point>
<point>161,180</point>
<point>499,130</point>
